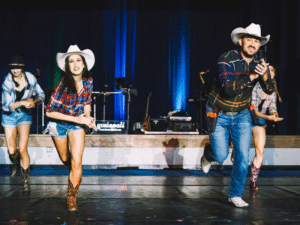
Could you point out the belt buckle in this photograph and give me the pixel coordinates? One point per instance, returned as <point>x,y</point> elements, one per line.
<point>231,113</point>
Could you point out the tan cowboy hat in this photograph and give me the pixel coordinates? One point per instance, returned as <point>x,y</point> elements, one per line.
<point>252,29</point>
<point>73,49</point>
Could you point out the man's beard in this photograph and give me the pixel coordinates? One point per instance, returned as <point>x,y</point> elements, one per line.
<point>248,55</point>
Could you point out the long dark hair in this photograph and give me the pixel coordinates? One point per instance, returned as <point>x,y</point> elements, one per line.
<point>276,68</point>
<point>16,83</point>
<point>68,80</point>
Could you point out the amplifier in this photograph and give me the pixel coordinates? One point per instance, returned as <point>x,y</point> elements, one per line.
<point>182,126</point>
<point>160,124</point>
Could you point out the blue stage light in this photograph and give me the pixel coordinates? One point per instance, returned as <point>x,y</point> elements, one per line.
<point>179,69</point>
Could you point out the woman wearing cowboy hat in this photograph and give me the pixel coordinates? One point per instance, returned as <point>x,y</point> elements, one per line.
<point>69,111</point>
<point>18,90</point>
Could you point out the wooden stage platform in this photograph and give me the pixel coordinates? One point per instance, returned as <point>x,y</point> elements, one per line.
<point>142,141</point>
<point>151,151</point>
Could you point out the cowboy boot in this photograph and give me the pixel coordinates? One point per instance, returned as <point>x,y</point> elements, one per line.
<point>253,177</point>
<point>25,179</point>
<point>71,199</point>
<point>15,159</point>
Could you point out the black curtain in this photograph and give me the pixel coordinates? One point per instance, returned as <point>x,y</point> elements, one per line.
<point>38,32</point>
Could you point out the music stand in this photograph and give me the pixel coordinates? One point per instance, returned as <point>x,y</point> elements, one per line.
<point>128,91</point>
<point>95,94</point>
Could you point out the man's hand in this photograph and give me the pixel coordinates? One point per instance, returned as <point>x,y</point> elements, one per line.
<point>253,76</point>
<point>261,70</point>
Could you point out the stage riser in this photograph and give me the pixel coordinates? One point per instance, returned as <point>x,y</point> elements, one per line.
<point>153,141</point>
<point>149,158</point>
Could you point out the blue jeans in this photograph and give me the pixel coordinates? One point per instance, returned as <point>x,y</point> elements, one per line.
<point>239,127</point>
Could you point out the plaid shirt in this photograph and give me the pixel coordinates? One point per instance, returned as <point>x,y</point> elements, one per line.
<point>270,102</point>
<point>71,104</point>
<point>231,91</point>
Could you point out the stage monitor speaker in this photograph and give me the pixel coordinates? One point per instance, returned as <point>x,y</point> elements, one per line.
<point>182,126</point>
<point>159,124</point>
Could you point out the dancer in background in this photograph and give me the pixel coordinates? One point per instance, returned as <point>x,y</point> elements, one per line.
<point>263,103</point>
<point>20,94</point>
<point>69,110</point>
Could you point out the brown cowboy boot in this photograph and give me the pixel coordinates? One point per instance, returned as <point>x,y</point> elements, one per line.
<point>15,159</point>
<point>253,177</point>
<point>25,179</point>
<point>71,199</point>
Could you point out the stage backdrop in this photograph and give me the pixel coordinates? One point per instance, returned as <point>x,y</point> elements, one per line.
<point>158,46</point>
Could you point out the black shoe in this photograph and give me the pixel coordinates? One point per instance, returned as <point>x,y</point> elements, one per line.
<point>15,159</point>
<point>25,179</point>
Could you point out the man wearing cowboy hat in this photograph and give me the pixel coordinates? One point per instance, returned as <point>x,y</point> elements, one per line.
<point>228,106</point>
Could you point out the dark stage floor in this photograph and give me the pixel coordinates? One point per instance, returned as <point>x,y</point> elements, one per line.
<point>185,197</point>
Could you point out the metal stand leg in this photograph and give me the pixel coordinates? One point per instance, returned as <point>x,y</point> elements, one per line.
<point>37,119</point>
<point>43,116</point>
<point>94,108</point>
<point>104,107</point>
<point>128,104</point>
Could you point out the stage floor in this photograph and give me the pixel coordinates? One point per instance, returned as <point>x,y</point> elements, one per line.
<point>168,197</point>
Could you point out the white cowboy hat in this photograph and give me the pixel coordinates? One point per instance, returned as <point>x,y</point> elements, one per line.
<point>252,29</point>
<point>73,49</point>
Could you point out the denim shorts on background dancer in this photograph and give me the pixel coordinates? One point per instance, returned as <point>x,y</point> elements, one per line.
<point>16,118</point>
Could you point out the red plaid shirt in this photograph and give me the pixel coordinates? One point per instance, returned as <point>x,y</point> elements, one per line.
<point>71,104</point>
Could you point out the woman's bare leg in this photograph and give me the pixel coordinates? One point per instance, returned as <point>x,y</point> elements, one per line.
<point>76,139</point>
<point>259,138</point>
<point>62,148</point>
<point>11,140</point>
<point>24,131</point>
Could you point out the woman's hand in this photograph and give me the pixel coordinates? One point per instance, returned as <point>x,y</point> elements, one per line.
<point>275,118</point>
<point>89,121</point>
<point>28,103</point>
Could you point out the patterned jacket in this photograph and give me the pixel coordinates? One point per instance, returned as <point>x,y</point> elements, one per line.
<point>270,102</point>
<point>232,89</point>
<point>9,93</point>
<point>70,104</point>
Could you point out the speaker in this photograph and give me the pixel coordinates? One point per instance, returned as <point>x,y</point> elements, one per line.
<point>182,126</point>
<point>160,124</point>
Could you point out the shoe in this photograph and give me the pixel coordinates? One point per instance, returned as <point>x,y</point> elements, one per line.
<point>238,202</point>
<point>25,179</point>
<point>205,164</point>
<point>15,159</point>
<point>253,186</point>
<point>72,193</point>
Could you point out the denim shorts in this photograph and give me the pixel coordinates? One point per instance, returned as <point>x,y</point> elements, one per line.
<point>260,121</point>
<point>61,129</point>
<point>15,118</point>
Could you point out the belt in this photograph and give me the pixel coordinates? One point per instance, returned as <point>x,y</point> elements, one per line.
<point>215,108</point>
